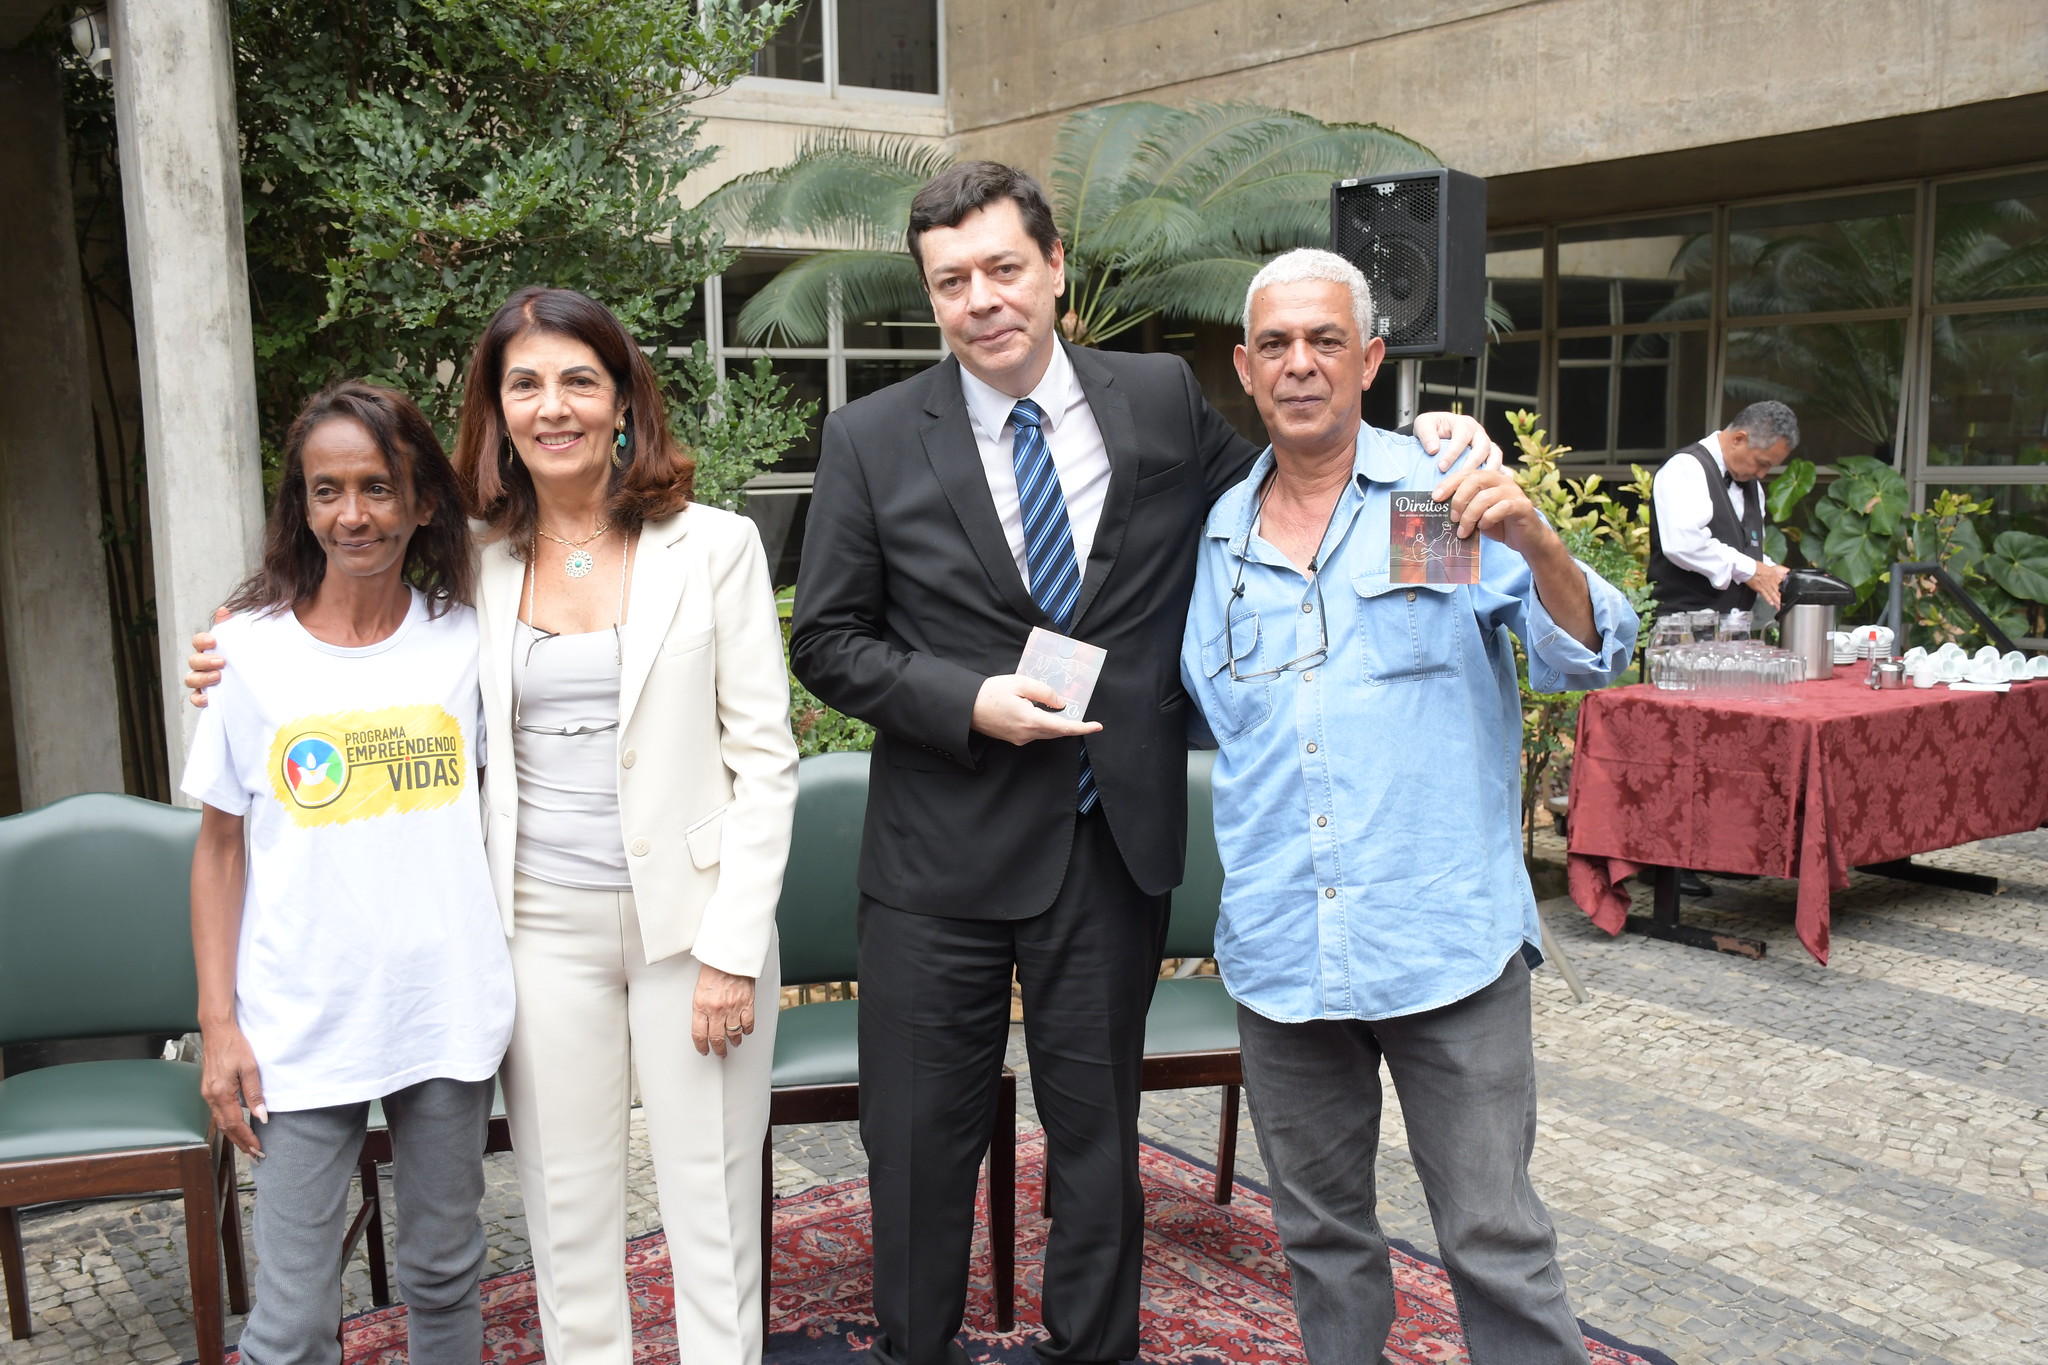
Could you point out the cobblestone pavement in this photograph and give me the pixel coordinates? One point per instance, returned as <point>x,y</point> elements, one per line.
<point>1746,1161</point>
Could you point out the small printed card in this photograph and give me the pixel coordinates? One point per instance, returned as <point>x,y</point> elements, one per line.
<point>1068,666</point>
<point>1423,544</point>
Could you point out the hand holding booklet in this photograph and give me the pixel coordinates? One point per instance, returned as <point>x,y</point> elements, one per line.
<point>1423,544</point>
<point>1068,666</point>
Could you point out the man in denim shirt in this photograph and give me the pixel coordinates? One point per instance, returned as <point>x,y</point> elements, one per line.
<point>1367,798</point>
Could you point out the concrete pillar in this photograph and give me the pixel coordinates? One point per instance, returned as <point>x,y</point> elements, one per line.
<point>53,573</point>
<point>174,107</point>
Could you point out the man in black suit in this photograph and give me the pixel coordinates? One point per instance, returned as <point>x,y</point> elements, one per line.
<point>1023,482</point>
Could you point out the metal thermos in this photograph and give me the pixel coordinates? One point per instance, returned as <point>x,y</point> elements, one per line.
<point>1807,615</point>
<point>1804,631</point>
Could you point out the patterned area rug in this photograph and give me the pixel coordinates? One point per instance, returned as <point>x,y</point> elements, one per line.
<point>1216,1287</point>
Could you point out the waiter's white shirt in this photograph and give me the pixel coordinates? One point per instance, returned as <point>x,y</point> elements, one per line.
<point>1071,436</point>
<point>1683,503</point>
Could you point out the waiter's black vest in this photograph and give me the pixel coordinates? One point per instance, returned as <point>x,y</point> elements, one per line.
<point>1678,588</point>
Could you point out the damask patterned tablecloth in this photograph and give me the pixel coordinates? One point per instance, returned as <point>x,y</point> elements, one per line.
<point>1837,777</point>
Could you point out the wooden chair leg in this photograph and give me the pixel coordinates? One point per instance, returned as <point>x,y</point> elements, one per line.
<point>1002,1203</point>
<point>203,1252</point>
<point>767,1223</point>
<point>14,1270</point>
<point>1226,1146</point>
<point>373,1233</point>
<point>229,1199</point>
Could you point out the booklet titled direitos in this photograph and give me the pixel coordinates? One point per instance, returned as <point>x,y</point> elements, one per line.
<point>1423,544</point>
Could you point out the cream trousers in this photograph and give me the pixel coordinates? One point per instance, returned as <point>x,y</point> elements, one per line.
<point>593,1014</point>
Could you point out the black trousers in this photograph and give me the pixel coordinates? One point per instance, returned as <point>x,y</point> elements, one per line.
<point>934,1016</point>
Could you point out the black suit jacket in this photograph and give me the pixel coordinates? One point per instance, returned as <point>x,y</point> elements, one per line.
<point>909,598</point>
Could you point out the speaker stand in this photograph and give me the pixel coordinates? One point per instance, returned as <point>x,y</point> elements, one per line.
<point>1407,390</point>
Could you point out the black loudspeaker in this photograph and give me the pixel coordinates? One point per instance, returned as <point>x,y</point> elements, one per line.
<point>1420,238</point>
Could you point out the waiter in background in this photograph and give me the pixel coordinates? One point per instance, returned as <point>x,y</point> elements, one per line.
<point>1707,515</point>
<point>1707,527</point>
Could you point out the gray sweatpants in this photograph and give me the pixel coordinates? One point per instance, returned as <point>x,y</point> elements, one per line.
<point>1466,1075</point>
<point>302,1182</point>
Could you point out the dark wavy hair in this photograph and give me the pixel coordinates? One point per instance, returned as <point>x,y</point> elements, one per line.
<point>654,481</point>
<point>438,559</point>
<point>948,197</point>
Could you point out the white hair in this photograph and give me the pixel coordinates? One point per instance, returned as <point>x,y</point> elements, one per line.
<point>1309,263</point>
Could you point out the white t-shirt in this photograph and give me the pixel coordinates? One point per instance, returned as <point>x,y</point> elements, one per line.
<point>372,956</point>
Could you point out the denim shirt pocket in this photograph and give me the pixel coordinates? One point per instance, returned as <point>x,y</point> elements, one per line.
<point>1237,706</point>
<point>1409,632</point>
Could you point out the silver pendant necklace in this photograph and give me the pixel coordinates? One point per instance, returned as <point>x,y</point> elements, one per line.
<point>579,561</point>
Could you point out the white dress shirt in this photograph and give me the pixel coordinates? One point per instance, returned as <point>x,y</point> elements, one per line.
<point>1070,435</point>
<point>1684,504</point>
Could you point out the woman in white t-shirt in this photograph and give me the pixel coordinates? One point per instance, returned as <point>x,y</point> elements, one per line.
<point>347,938</point>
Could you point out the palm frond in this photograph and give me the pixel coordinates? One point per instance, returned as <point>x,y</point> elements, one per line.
<point>796,306</point>
<point>1288,144</point>
<point>1151,228</point>
<point>1090,154</point>
<point>1188,149</point>
<point>1207,290</point>
<point>849,189</point>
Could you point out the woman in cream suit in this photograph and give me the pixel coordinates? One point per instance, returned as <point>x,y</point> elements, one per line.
<point>639,794</point>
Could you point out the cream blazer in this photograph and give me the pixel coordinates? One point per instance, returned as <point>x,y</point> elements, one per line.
<point>707,768</point>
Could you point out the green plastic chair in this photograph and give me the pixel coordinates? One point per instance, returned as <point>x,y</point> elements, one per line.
<point>816,1073</point>
<point>95,913</point>
<point>1191,1029</point>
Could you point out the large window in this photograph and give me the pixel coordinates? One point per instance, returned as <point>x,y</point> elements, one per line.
<point>856,360</point>
<point>1907,322</point>
<point>858,44</point>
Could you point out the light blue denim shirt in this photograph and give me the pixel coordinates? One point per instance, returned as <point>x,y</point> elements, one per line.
<point>1368,805</point>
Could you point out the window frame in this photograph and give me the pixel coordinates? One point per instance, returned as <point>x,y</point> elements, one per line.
<point>832,88</point>
<point>1918,316</point>
<point>835,353</point>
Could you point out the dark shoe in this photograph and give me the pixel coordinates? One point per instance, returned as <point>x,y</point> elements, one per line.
<point>883,1353</point>
<point>1735,876</point>
<point>1689,884</point>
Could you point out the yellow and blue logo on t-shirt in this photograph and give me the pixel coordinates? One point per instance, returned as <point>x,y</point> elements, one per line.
<point>354,765</point>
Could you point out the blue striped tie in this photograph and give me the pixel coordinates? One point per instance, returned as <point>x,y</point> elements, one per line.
<point>1048,542</point>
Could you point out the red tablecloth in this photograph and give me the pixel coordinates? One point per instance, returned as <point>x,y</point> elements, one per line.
<point>1839,776</point>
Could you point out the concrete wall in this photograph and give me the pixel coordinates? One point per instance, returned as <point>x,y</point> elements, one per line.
<point>53,584</point>
<point>174,100</point>
<point>1495,87</point>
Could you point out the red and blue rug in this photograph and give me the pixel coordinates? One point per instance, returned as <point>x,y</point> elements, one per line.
<point>1216,1287</point>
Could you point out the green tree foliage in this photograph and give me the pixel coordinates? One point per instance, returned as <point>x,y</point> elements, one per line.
<point>410,163</point>
<point>1609,535</point>
<point>1863,525</point>
<point>1163,211</point>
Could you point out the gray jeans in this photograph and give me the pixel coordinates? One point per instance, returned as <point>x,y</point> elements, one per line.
<point>1466,1075</point>
<point>302,1183</point>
